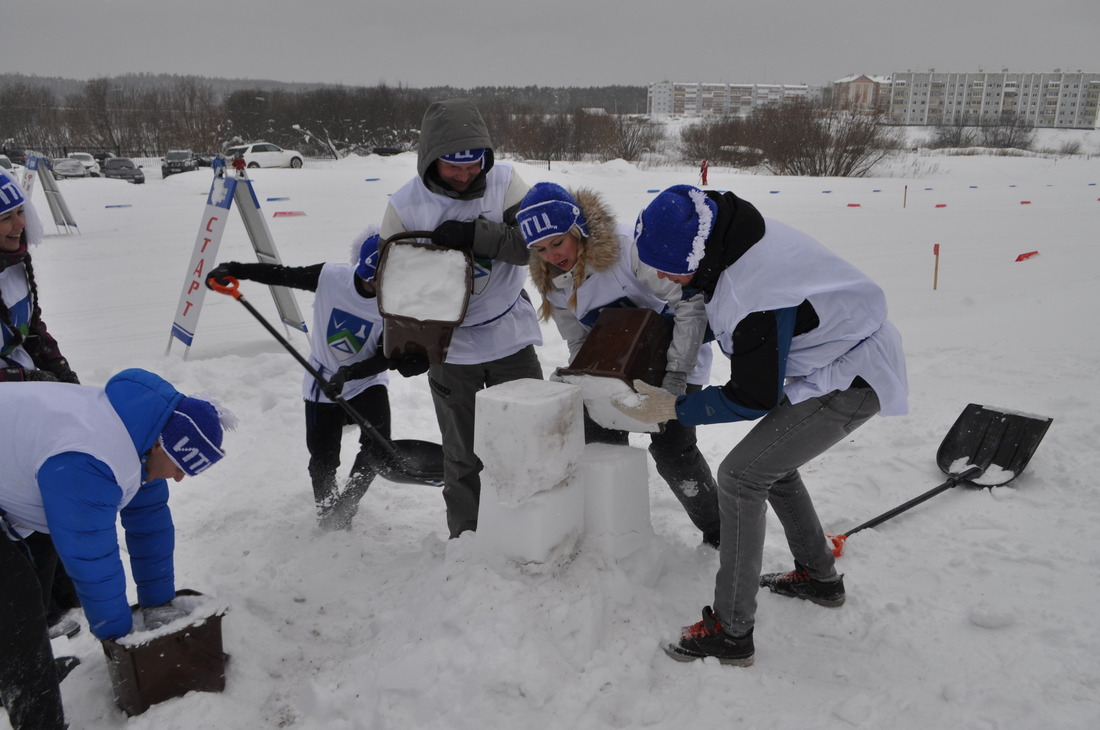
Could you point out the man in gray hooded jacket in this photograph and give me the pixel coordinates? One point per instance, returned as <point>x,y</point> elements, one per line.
<point>469,201</point>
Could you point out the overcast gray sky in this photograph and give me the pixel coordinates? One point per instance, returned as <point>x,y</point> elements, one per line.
<point>469,43</point>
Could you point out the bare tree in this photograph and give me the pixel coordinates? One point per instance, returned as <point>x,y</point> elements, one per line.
<point>953,134</point>
<point>634,136</point>
<point>29,117</point>
<point>722,140</point>
<point>1007,133</point>
<point>803,138</point>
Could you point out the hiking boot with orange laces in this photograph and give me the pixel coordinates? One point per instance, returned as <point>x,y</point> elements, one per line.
<point>708,639</point>
<point>799,584</point>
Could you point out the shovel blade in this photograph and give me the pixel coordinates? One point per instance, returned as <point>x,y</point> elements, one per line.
<point>999,442</point>
<point>415,462</point>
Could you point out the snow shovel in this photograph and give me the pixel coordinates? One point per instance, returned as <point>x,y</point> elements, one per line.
<point>405,461</point>
<point>986,448</point>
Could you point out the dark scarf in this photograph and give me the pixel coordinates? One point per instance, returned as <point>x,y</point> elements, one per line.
<point>11,258</point>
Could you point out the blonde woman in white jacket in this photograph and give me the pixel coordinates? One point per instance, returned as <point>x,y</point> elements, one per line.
<point>583,264</point>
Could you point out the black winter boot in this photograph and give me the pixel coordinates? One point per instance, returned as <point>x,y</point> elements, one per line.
<point>708,639</point>
<point>799,584</point>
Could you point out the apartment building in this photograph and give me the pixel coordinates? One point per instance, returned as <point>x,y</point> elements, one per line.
<point>862,92</point>
<point>1056,99</point>
<point>694,99</point>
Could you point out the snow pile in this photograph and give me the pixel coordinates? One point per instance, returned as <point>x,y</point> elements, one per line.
<point>975,609</point>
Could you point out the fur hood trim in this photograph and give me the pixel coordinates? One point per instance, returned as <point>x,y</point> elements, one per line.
<point>598,252</point>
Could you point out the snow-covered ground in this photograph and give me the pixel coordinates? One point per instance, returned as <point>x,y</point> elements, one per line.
<point>976,609</point>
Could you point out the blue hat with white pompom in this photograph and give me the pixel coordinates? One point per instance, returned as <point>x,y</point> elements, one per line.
<point>672,231</point>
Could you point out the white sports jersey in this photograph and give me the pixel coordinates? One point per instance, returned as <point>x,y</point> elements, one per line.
<point>347,329</point>
<point>854,338</point>
<point>55,418</point>
<point>498,322</point>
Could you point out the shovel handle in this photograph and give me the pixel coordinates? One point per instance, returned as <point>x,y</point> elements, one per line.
<point>954,479</point>
<point>231,287</point>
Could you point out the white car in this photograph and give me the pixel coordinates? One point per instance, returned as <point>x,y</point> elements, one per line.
<point>264,154</point>
<point>90,163</point>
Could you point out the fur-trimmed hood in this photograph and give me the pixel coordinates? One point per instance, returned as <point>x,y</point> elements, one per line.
<point>598,252</point>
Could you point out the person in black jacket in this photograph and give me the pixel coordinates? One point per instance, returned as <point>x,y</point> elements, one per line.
<point>347,330</point>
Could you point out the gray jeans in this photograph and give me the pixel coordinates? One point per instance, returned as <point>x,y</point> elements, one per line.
<point>763,469</point>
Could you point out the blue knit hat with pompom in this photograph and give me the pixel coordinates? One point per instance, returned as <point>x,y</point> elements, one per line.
<point>672,231</point>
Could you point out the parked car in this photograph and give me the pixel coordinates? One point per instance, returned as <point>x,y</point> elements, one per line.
<point>17,155</point>
<point>7,164</point>
<point>176,161</point>
<point>123,168</point>
<point>265,154</point>
<point>90,163</point>
<point>68,167</point>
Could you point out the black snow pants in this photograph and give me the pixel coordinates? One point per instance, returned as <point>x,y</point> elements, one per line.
<point>325,423</point>
<point>29,684</point>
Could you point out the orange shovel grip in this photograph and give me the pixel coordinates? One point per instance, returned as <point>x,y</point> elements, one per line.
<point>231,286</point>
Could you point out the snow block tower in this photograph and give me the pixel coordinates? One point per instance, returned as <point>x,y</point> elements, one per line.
<point>529,435</point>
<point>616,499</point>
<point>542,488</point>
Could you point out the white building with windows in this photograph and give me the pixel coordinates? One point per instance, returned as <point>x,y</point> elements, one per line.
<point>1056,99</point>
<point>694,99</point>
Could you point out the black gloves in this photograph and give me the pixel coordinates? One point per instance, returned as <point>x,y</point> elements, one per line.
<point>410,365</point>
<point>458,235</point>
<point>336,383</point>
<point>69,377</point>
<point>33,376</point>
<point>221,271</point>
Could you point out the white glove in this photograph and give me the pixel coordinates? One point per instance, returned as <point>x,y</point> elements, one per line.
<point>649,404</point>
<point>675,382</point>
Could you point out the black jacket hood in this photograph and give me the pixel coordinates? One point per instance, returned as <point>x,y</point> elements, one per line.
<point>737,227</point>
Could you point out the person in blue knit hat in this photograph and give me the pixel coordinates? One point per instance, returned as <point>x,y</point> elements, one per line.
<point>76,460</point>
<point>812,357</point>
<point>345,348</point>
<point>583,264</point>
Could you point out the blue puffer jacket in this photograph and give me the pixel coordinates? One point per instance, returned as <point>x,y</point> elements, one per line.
<point>81,500</point>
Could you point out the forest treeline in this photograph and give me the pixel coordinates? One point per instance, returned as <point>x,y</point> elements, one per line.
<point>145,114</point>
